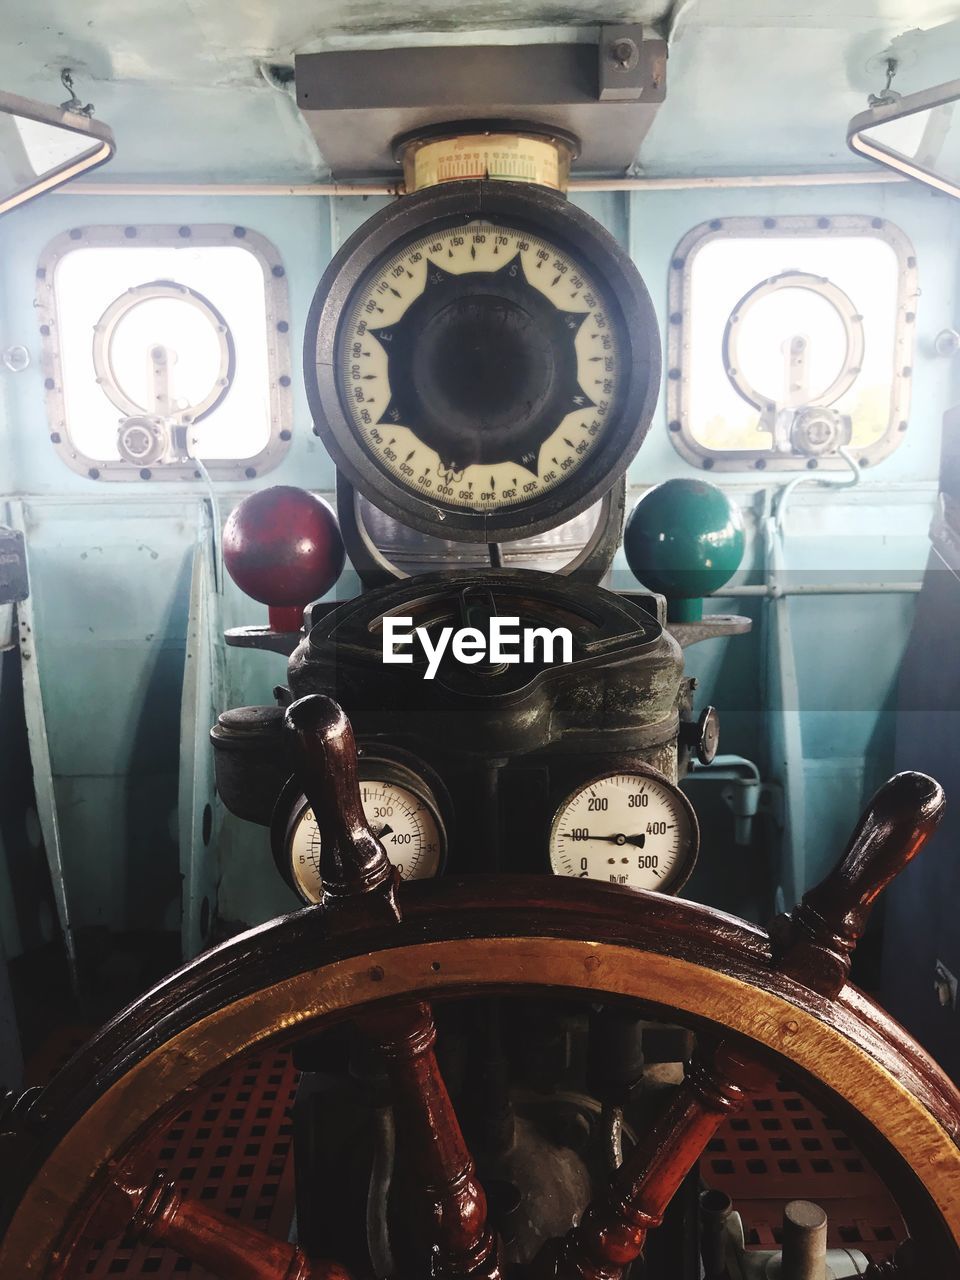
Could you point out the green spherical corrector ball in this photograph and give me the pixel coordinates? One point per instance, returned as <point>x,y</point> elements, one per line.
<point>684,539</point>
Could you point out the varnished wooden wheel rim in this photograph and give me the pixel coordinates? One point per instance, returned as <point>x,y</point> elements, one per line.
<point>669,955</point>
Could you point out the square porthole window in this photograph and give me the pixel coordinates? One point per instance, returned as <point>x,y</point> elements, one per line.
<point>164,348</point>
<point>790,342</point>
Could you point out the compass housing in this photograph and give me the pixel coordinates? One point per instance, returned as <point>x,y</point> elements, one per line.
<point>521,354</point>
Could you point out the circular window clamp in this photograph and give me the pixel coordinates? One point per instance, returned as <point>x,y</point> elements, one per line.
<point>800,420</point>
<point>157,432</point>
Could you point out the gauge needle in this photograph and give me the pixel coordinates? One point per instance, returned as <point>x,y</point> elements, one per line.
<point>638,840</point>
<point>384,831</point>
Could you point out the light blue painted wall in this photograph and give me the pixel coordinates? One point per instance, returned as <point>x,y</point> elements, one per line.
<point>110,563</point>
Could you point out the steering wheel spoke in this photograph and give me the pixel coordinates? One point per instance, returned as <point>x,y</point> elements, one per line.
<point>153,1213</point>
<point>444,1195</point>
<point>448,1204</point>
<point>613,1230</point>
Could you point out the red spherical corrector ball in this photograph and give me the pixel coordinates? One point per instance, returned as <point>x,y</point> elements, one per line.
<point>282,546</point>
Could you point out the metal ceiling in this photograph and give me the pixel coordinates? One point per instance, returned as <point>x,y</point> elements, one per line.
<point>752,84</point>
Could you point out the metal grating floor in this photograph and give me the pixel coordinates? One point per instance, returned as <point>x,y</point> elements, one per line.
<point>233,1148</point>
<point>781,1148</point>
<point>230,1148</point>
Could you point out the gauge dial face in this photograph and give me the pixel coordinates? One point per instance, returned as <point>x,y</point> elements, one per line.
<point>628,828</point>
<point>479,366</point>
<point>408,827</point>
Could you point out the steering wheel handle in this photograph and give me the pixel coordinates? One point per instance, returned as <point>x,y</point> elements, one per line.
<point>815,942</point>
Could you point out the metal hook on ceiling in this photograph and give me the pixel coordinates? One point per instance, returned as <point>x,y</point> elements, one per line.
<point>887,95</point>
<point>73,104</point>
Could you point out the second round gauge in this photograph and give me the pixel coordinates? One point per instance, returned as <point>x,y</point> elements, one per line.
<point>632,828</point>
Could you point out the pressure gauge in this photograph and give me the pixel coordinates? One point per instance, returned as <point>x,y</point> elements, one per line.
<point>402,809</point>
<point>631,827</point>
<point>482,360</point>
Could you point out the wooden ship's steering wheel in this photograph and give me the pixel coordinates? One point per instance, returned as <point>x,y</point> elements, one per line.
<point>72,1155</point>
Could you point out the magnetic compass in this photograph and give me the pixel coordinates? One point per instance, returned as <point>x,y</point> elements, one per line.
<point>482,361</point>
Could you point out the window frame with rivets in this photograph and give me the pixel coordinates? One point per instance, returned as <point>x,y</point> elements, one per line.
<point>77,335</point>
<point>799,434</point>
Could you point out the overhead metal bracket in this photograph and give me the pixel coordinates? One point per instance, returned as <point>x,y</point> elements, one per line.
<point>606,94</point>
<point>624,70</point>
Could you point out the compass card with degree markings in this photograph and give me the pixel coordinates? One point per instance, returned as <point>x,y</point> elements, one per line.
<point>482,361</point>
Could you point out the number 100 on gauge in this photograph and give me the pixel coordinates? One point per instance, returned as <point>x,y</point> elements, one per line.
<point>629,828</point>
